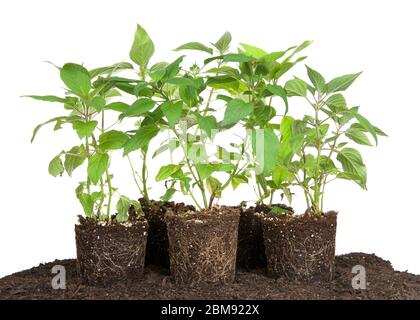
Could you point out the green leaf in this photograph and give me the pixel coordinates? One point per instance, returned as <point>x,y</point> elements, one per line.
<point>281,174</point>
<point>237,180</point>
<point>366,124</point>
<point>98,103</point>
<point>87,203</point>
<point>141,106</point>
<point>172,111</point>
<point>118,106</point>
<point>358,136</point>
<point>74,158</point>
<point>273,56</point>
<point>158,70</point>
<point>378,131</point>
<point>166,171</point>
<point>110,69</point>
<point>296,87</point>
<point>55,168</point>
<point>223,43</point>
<point>236,57</point>
<point>97,165</point>
<point>168,194</point>
<point>337,102</point>
<point>236,110</point>
<point>59,120</point>
<point>172,69</point>
<point>207,169</point>
<point>279,91</point>
<point>142,48</point>
<point>195,46</point>
<point>214,186</point>
<point>181,81</point>
<point>252,51</point>
<point>341,83</point>
<point>84,129</point>
<point>207,124</point>
<point>141,139</point>
<point>303,46</point>
<point>123,205</point>
<point>47,98</point>
<point>223,82</point>
<point>112,140</point>
<point>76,78</point>
<point>317,79</point>
<point>352,163</point>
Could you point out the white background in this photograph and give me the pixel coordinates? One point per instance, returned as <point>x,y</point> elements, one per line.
<point>379,37</point>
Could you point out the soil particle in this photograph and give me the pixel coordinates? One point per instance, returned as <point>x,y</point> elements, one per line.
<point>383,283</point>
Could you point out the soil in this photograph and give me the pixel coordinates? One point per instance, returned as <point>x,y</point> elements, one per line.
<point>157,239</point>
<point>251,249</point>
<point>383,283</point>
<point>110,252</point>
<point>300,247</point>
<point>202,245</point>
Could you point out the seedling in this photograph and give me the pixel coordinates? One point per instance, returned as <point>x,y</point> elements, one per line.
<point>316,149</point>
<point>87,111</point>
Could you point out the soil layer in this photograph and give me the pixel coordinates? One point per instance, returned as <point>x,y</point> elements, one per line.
<point>300,247</point>
<point>111,252</point>
<point>383,283</point>
<point>157,239</point>
<point>251,249</point>
<point>202,245</point>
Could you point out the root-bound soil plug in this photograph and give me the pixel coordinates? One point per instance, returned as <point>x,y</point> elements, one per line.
<point>202,245</point>
<point>300,247</point>
<point>110,252</point>
<point>251,249</point>
<point>157,239</point>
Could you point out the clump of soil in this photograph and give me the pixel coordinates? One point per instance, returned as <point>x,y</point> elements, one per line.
<point>157,239</point>
<point>382,283</point>
<point>300,247</point>
<point>202,245</point>
<point>110,252</point>
<point>251,249</point>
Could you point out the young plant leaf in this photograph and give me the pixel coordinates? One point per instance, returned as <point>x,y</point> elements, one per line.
<point>279,91</point>
<point>141,139</point>
<point>172,112</point>
<point>341,83</point>
<point>317,79</point>
<point>87,203</point>
<point>55,168</point>
<point>140,107</point>
<point>352,163</point>
<point>142,48</point>
<point>296,87</point>
<point>265,144</point>
<point>252,51</point>
<point>74,158</point>
<point>84,129</point>
<point>97,165</point>
<point>166,171</point>
<point>112,140</point>
<point>207,124</point>
<point>47,98</point>
<point>76,78</point>
<point>194,46</point>
<point>366,124</point>
<point>236,110</point>
<point>98,103</point>
<point>223,43</point>
<point>168,194</point>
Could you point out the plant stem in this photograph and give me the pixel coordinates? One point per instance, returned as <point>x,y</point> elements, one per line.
<point>134,176</point>
<point>144,176</point>
<point>108,180</point>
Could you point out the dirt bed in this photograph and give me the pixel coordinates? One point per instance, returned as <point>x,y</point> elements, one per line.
<point>383,283</point>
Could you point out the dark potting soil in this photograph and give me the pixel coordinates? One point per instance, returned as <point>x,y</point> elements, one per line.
<point>110,252</point>
<point>383,283</point>
<point>157,239</point>
<point>202,245</point>
<point>300,247</point>
<point>251,249</point>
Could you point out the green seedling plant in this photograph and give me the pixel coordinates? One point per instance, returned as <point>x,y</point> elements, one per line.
<point>87,111</point>
<point>320,147</point>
